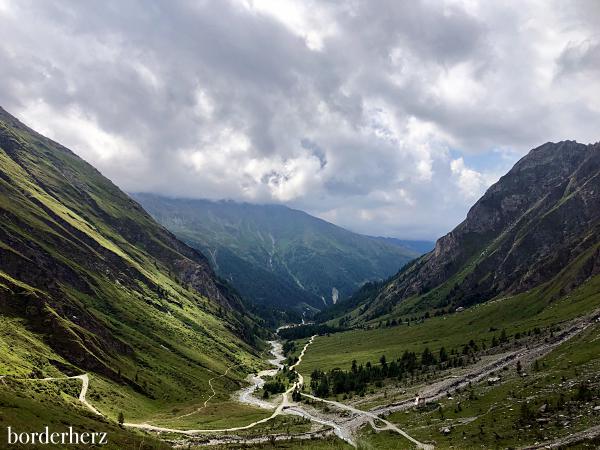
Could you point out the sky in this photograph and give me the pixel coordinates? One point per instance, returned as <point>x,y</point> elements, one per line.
<point>385,117</point>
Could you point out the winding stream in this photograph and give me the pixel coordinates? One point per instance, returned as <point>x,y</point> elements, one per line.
<point>284,406</point>
<point>257,381</point>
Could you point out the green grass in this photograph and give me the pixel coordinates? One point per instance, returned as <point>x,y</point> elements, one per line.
<point>489,416</point>
<point>31,406</point>
<point>278,425</point>
<point>516,314</point>
<point>224,414</point>
<point>369,439</point>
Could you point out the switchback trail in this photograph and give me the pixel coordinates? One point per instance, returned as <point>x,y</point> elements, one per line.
<point>210,397</point>
<point>85,382</point>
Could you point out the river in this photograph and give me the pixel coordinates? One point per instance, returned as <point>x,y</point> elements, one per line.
<point>246,395</point>
<point>256,380</point>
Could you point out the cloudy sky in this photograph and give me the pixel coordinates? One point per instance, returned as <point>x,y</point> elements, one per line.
<point>387,117</point>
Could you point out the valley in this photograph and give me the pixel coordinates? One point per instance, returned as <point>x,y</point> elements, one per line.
<point>354,420</point>
<point>282,406</point>
<point>270,253</point>
<point>108,320</point>
<point>299,225</point>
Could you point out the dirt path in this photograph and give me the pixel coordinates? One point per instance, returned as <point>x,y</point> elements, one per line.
<point>85,382</point>
<point>372,418</point>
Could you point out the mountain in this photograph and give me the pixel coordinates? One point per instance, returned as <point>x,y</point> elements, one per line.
<point>277,256</point>
<point>539,224</point>
<point>503,315</point>
<point>89,282</point>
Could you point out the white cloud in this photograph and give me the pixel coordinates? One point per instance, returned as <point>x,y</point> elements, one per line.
<point>369,116</point>
<point>471,183</point>
<point>76,129</point>
<point>459,85</point>
<point>306,19</point>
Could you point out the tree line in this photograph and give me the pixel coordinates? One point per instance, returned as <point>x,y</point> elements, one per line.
<point>304,331</point>
<point>356,380</point>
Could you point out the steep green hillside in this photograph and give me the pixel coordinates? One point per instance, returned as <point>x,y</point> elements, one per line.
<point>540,218</point>
<point>278,256</point>
<point>89,282</point>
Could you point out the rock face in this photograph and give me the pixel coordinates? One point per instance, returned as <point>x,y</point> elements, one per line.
<point>86,267</point>
<point>539,218</point>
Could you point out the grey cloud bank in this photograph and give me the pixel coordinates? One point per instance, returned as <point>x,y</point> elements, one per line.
<point>368,114</point>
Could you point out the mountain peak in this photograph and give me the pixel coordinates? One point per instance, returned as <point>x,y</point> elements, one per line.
<point>538,218</point>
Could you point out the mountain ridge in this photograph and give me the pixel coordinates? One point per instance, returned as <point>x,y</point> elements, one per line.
<point>290,250</point>
<point>90,282</point>
<point>539,217</point>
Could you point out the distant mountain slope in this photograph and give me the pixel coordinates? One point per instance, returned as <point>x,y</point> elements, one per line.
<point>539,223</point>
<point>90,282</point>
<point>275,255</point>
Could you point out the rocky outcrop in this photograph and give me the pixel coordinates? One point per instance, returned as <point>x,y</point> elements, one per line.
<point>537,219</point>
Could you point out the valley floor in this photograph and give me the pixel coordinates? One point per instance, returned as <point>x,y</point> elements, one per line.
<point>556,404</point>
<point>395,421</point>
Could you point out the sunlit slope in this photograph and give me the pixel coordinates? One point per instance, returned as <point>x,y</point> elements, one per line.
<point>90,283</point>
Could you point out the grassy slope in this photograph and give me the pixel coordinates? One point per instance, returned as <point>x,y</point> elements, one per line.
<point>32,406</point>
<point>90,283</point>
<point>517,314</point>
<point>490,416</point>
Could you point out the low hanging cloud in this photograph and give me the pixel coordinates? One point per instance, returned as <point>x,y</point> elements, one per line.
<point>388,118</point>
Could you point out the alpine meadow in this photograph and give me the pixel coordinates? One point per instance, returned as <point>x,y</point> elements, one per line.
<point>299,224</point>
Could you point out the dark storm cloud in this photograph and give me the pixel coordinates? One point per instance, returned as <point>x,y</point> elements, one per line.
<point>354,112</point>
